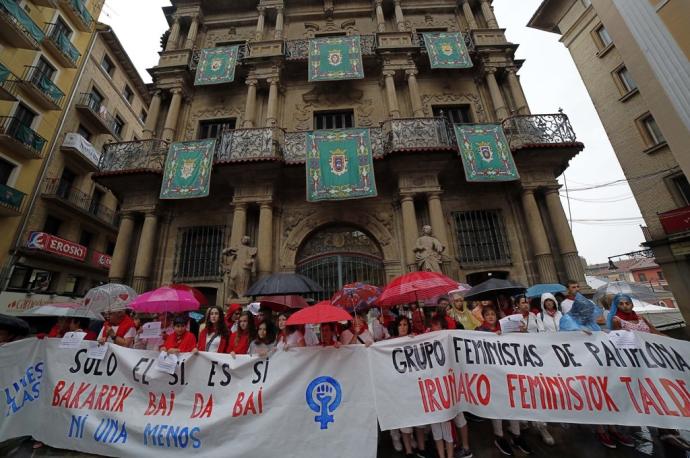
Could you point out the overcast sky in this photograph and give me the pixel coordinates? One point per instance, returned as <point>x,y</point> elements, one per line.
<point>550,81</point>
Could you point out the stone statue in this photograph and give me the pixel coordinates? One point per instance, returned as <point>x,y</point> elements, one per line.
<point>428,251</point>
<point>239,270</point>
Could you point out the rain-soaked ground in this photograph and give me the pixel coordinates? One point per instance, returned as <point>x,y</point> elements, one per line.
<point>575,441</point>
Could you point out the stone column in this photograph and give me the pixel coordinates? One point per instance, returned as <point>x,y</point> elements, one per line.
<point>271,112</point>
<point>278,35</point>
<point>438,222</point>
<point>489,14</point>
<point>191,35</point>
<point>496,96</point>
<point>564,236</point>
<point>250,106</point>
<point>410,230</point>
<point>399,18</point>
<point>415,98</point>
<point>391,96</point>
<point>469,15</point>
<point>239,224</point>
<point>174,35</point>
<point>540,243</point>
<point>118,267</point>
<point>152,116</point>
<point>380,19</point>
<point>173,113</point>
<point>260,23</point>
<point>516,90</point>
<point>147,243</point>
<point>265,242</point>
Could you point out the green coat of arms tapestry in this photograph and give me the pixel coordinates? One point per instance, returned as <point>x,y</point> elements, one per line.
<point>339,165</point>
<point>447,50</point>
<point>187,173</point>
<point>216,65</point>
<point>335,58</point>
<point>485,153</point>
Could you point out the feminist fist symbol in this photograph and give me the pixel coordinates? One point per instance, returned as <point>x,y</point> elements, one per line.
<point>323,397</point>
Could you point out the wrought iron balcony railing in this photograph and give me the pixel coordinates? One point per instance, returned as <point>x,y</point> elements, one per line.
<point>7,83</point>
<point>96,106</point>
<point>64,191</point>
<point>38,79</point>
<point>242,145</point>
<point>56,34</point>
<point>299,49</point>
<point>81,15</point>
<point>20,132</point>
<point>419,41</point>
<point>10,199</point>
<point>294,147</point>
<point>410,134</point>
<point>139,155</point>
<point>541,129</point>
<point>17,16</point>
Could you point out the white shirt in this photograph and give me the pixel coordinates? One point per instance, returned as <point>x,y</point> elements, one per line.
<point>212,342</point>
<point>533,322</point>
<point>364,338</point>
<point>566,305</point>
<point>552,323</point>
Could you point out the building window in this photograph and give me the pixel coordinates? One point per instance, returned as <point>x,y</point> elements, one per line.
<point>650,131</point>
<point>458,114</point>
<point>198,252</point>
<point>28,279</point>
<point>128,94</point>
<point>334,119</point>
<point>108,65</point>
<point>52,225</point>
<point>681,184</point>
<point>214,128</point>
<point>81,130</point>
<point>625,81</point>
<point>481,237</point>
<point>66,183</point>
<point>96,100</point>
<point>603,37</point>
<point>71,284</point>
<point>118,126</point>
<point>6,169</point>
<point>96,201</point>
<point>43,69</point>
<point>24,116</point>
<point>643,277</point>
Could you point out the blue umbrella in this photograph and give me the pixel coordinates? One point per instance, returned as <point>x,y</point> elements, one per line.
<point>538,290</point>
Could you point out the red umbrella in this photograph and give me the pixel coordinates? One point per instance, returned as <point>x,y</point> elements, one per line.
<point>357,295</point>
<point>198,295</point>
<point>283,303</point>
<point>323,312</point>
<point>416,286</point>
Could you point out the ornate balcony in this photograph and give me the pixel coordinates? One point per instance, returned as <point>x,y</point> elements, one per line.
<point>60,46</point>
<point>295,146</point>
<point>419,41</point>
<point>299,49</point>
<point>10,201</point>
<point>41,89</point>
<point>63,193</point>
<point>539,131</point>
<point>81,151</point>
<point>244,145</point>
<point>135,156</point>
<point>20,138</point>
<point>96,114</point>
<point>418,134</point>
<point>7,84</point>
<point>17,28</point>
<point>77,12</point>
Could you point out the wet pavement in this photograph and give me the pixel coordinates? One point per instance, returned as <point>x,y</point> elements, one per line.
<point>574,442</point>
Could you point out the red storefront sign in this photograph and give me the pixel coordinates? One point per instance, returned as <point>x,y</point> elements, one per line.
<point>52,244</point>
<point>101,260</point>
<point>677,220</point>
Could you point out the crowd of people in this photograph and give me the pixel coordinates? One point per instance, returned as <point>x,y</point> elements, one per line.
<point>260,332</point>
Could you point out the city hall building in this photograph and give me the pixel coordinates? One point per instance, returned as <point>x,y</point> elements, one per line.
<point>330,133</point>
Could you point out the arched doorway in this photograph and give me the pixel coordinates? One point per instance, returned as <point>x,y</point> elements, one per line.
<point>336,255</point>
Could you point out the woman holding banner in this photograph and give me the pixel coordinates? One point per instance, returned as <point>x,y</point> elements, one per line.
<point>288,336</point>
<point>239,340</point>
<point>550,315</point>
<point>358,333</point>
<point>265,342</point>
<point>215,336</point>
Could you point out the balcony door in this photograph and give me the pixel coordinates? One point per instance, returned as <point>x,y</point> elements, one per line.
<point>66,182</point>
<point>43,69</point>
<point>6,169</point>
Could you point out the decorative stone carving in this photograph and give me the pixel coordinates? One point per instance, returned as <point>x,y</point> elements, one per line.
<point>292,219</point>
<point>239,271</point>
<point>428,252</point>
<point>451,98</point>
<point>419,22</point>
<point>222,35</point>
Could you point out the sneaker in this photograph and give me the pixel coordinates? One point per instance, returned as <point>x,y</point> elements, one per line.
<point>397,443</point>
<point>606,440</point>
<point>622,439</point>
<point>520,443</point>
<point>503,446</point>
<point>546,435</point>
<point>421,454</point>
<point>463,453</point>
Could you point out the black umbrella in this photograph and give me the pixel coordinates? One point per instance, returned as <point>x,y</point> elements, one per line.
<point>15,325</point>
<point>491,288</point>
<point>283,283</point>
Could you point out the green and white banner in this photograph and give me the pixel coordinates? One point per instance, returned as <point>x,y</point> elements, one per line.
<point>335,58</point>
<point>485,153</point>
<point>187,173</point>
<point>216,65</point>
<point>339,165</point>
<point>446,50</point>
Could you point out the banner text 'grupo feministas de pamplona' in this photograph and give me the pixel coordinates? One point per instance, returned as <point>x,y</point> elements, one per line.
<point>315,401</point>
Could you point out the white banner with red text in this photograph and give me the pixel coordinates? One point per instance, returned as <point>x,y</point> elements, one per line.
<point>552,377</point>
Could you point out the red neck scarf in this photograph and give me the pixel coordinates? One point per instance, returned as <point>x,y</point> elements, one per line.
<point>494,328</point>
<point>551,312</point>
<point>627,316</point>
<point>525,314</point>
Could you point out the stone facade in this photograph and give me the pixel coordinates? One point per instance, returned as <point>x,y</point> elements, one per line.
<point>517,229</point>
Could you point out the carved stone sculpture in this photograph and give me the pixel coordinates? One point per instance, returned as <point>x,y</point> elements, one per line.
<point>239,270</point>
<point>428,252</point>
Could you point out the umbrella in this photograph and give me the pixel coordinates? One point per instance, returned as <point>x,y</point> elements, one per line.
<point>491,288</point>
<point>198,295</point>
<point>538,290</point>
<point>283,283</point>
<point>416,286</point>
<point>14,324</point>
<point>639,291</point>
<point>283,303</point>
<point>111,296</point>
<point>323,312</point>
<point>67,309</point>
<point>356,296</point>
<point>165,299</point>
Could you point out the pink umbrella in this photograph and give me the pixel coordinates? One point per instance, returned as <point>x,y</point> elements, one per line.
<point>165,299</point>
<point>323,312</point>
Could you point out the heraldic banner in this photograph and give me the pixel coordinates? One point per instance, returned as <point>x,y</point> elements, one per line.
<point>216,65</point>
<point>447,50</point>
<point>485,153</point>
<point>187,171</point>
<point>339,165</point>
<point>335,58</point>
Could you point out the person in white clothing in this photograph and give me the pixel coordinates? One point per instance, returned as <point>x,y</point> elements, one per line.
<point>357,333</point>
<point>573,288</point>
<point>530,322</point>
<point>288,336</point>
<point>550,315</point>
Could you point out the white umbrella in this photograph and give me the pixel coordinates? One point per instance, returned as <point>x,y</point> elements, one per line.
<point>109,297</point>
<point>66,309</point>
